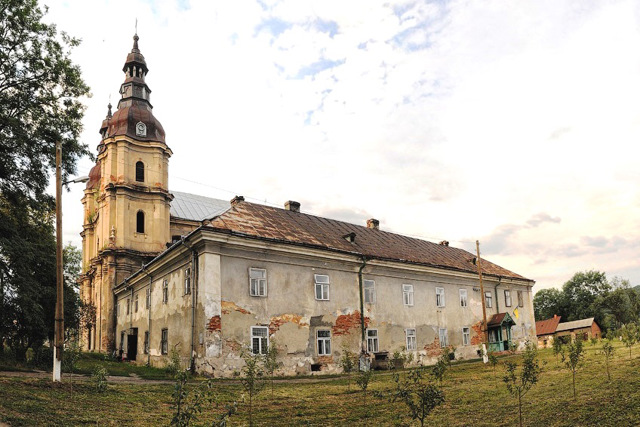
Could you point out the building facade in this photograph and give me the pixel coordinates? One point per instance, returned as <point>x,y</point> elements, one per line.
<point>212,279</point>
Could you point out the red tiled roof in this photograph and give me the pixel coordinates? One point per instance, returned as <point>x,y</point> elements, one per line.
<point>547,327</point>
<point>498,318</point>
<point>269,223</point>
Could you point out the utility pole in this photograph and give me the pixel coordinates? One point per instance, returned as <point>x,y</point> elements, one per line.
<point>484,307</point>
<point>59,319</point>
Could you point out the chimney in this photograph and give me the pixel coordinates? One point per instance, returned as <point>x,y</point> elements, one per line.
<point>292,206</point>
<point>445,243</point>
<point>350,237</point>
<point>373,223</point>
<point>237,200</point>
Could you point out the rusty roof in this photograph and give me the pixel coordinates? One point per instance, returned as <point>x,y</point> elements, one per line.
<point>576,324</point>
<point>281,225</point>
<point>499,318</point>
<point>548,326</point>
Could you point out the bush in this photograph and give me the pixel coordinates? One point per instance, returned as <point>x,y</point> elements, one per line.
<point>99,378</point>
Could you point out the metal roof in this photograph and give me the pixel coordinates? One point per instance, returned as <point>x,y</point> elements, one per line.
<point>196,208</point>
<point>548,326</point>
<point>576,324</point>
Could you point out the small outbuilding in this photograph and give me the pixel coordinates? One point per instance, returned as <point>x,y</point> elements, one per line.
<point>545,330</point>
<point>584,329</point>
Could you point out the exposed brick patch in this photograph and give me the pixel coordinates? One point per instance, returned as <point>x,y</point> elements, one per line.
<point>478,336</point>
<point>233,345</point>
<point>434,348</point>
<point>324,360</point>
<point>277,321</point>
<point>214,324</point>
<point>346,322</point>
<point>229,306</point>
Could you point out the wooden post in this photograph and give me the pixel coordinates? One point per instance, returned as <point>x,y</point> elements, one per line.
<point>59,316</point>
<point>484,307</point>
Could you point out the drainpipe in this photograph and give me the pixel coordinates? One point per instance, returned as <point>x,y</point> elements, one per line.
<point>148,314</point>
<point>361,289</point>
<point>194,265</point>
<point>496,291</point>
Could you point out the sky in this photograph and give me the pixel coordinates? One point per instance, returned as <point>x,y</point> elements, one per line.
<point>512,123</point>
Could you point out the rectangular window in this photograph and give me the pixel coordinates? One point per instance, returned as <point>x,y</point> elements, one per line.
<point>257,282</point>
<point>466,336</point>
<point>369,291</point>
<point>324,342</point>
<point>439,297</point>
<point>372,340</point>
<point>520,299</point>
<point>507,298</point>
<point>135,304</point>
<point>259,339</point>
<point>121,341</point>
<point>165,291</point>
<point>407,294</point>
<point>493,335</point>
<point>322,286</point>
<point>148,299</point>
<point>444,341</point>
<point>488,300</point>
<point>146,342</point>
<point>128,303</point>
<point>463,297</point>
<point>164,341</point>
<point>411,339</point>
<point>187,281</point>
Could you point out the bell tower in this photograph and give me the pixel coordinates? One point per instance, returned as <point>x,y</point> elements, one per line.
<point>126,201</point>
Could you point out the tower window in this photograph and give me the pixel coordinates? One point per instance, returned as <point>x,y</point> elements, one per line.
<point>139,171</point>
<point>140,222</point>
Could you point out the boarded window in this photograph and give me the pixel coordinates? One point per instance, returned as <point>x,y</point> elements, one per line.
<point>520,299</point>
<point>140,172</point>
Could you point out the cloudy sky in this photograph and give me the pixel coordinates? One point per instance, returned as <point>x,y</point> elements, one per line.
<point>515,123</point>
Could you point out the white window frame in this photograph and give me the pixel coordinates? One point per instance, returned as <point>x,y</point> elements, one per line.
<point>187,281</point>
<point>464,300</point>
<point>373,344</point>
<point>323,342</point>
<point>262,340</point>
<point>507,298</point>
<point>488,299</point>
<point>411,340</point>
<point>321,287</point>
<point>257,285</point>
<point>466,336</point>
<point>442,335</point>
<point>440,297</point>
<point>369,290</point>
<point>407,295</point>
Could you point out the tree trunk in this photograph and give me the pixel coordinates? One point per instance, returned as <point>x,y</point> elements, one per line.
<point>574,385</point>
<point>520,407</point>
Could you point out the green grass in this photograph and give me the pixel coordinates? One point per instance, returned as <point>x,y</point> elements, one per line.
<point>473,397</point>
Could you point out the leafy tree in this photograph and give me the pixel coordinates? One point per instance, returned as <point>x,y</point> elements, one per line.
<point>362,380</point>
<point>440,368</point>
<point>39,91</point>
<point>629,335</point>
<point>547,302</point>
<point>271,362</point>
<point>557,347</point>
<point>580,295</point>
<point>607,351</point>
<point>348,362</point>
<point>419,397</point>
<point>493,361</point>
<point>519,385</point>
<point>573,359</point>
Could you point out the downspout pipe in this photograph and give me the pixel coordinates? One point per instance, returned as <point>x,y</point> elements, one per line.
<point>194,255</point>
<point>496,291</point>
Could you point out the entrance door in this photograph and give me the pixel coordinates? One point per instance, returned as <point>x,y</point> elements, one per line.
<point>132,344</point>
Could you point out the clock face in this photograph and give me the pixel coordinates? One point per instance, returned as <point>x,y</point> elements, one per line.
<point>141,129</point>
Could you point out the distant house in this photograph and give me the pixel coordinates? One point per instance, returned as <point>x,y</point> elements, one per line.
<point>584,328</point>
<point>550,329</point>
<point>545,330</point>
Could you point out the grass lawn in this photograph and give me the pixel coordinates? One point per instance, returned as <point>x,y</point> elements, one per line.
<point>474,395</point>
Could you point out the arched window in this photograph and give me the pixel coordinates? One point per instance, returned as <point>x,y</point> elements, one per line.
<point>140,222</point>
<point>140,172</point>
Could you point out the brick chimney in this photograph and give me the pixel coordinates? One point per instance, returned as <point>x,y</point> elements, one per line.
<point>373,223</point>
<point>292,206</point>
<point>237,200</point>
<point>445,243</point>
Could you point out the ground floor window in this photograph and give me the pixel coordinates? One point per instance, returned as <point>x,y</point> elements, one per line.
<point>372,340</point>
<point>259,339</point>
<point>466,336</point>
<point>324,342</point>
<point>443,337</point>
<point>411,339</point>
<point>164,341</point>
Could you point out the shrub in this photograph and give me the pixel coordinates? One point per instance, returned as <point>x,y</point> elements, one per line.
<point>99,378</point>
<point>252,378</point>
<point>173,365</point>
<point>573,360</point>
<point>362,380</point>
<point>419,397</point>
<point>519,385</point>
<point>348,362</point>
<point>608,350</point>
